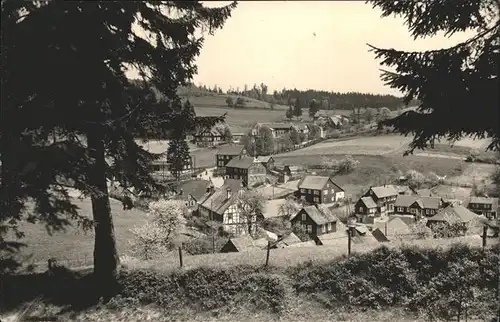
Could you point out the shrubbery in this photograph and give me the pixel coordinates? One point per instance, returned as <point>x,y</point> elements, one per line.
<point>344,166</point>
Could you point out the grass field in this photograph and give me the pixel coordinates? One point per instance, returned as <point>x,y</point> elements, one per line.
<point>74,244</point>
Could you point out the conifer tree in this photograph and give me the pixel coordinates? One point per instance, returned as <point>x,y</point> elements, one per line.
<point>70,114</point>
<point>457,87</point>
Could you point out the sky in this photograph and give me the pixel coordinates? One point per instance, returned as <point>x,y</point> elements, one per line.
<point>273,42</point>
<point>306,45</point>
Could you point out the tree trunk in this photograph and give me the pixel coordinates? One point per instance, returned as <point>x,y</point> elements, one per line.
<point>106,259</point>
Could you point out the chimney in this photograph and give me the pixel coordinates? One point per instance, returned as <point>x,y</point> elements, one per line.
<point>228,191</point>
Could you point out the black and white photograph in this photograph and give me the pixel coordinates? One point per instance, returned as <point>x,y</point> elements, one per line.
<point>250,161</point>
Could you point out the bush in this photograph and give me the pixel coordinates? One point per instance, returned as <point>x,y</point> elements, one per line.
<point>335,134</point>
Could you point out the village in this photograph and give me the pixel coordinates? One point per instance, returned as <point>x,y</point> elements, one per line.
<point>255,202</point>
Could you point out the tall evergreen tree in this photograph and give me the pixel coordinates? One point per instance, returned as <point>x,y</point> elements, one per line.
<point>297,108</point>
<point>178,155</point>
<point>71,58</point>
<point>457,87</point>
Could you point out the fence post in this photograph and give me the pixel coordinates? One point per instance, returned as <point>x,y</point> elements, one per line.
<point>180,255</point>
<point>267,254</point>
<point>349,241</point>
<point>485,234</point>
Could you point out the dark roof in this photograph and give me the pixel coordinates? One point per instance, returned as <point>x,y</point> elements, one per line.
<point>454,214</point>
<point>196,188</point>
<point>320,214</point>
<point>218,200</point>
<point>277,126</point>
<point>315,182</point>
<point>430,202</point>
<point>379,235</point>
<point>405,201</point>
<point>368,202</point>
<point>403,189</point>
<point>245,242</point>
<point>485,200</point>
<point>241,163</point>
<point>384,191</point>
<point>230,149</point>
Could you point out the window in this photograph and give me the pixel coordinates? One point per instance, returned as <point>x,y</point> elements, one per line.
<point>332,191</point>
<point>328,185</point>
<point>229,217</point>
<point>309,229</point>
<point>361,209</point>
<point>427,211</point>
<point>400,209</point>
<point>308,190</point>
<point>304,217</point>
<point>325,192</point>
<point>317,192</point>
<point>333,199</point>
<point>323,228</point>
<point>413,210</point>
<point>316,199</point>
<point>303,197</point>
<point>303,190</point>
<point>329,226</point>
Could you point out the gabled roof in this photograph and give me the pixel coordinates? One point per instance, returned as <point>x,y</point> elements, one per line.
<point>291,239</point>
<point>276,126</point>
<point>484,200</point>
<point>430,202</point>
<point>264,159</point>
<point>218,201</point>
<point>405,201</point>
<point>379,235</point>
<point>393,226</point>
<point>241,163</point>
<point>384,191</point>
<point>230,149</point>
<point>196,188</point>
<point>403,189</point>
<point>454,214</point>
<point>368,202</point>
<point>246,242</point>
<point>315,182</point>
<point>213,131</point>
<point>320,214</point>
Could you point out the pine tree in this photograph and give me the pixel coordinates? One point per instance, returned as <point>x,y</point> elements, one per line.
<point>177,155</point>
<point>297,108</point>
<point>71,58</point>
<point>457,87</point>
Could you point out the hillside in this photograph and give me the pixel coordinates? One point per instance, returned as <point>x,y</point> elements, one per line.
<point>400,284</point>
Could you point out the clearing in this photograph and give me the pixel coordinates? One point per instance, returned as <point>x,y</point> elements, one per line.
<point>374,145</point>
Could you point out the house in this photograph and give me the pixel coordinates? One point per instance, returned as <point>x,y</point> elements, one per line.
<point>453,215</point>
<point>404,190</point>
<point>237,136</point>
<point>425,193</point>
<point>417,206</point>
<point>208,137</point>
<point>243,243</point>
<point>365,209</point>
<point>336,121</point>
<point>286,241</point>
<point>484,206</point>
<point>161,166</point>
<point>246,169</point>
<point>301,128</point>
<point>227,152</point>
<point>384,197</point>
<point>277,129</point>
<point>393,227</point>
<point>316,220</point>
<point>319,189</point>
<point>222,206</point>
<point>267,161</point>
<point>192,192</point>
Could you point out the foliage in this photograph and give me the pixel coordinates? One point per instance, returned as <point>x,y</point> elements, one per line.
<point>452,80</point>
<point>383,114</point>
<point>252,206</point>
<point>419,230</point>
<point>158,235</point>
<point>204,245</point>
<point>80,123</point>
<point>225,130</point>
<point>369,114</point>
<point>344,166</point>
<point>314,107</point>
<point>229,101</point>
<point>240,102</point>
<point>294,136</point>
<point>264,142</point>
<point>289,208</point>
<point>314,131</point>
<point>285,142</point>
<point>178,155</point>
<point>415,179</point>
<point>289,113</point>
<point>297,108</point>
